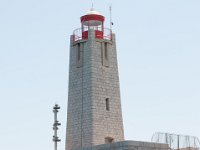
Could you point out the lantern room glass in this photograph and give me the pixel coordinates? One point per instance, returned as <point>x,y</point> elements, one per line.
<point>94,25</point>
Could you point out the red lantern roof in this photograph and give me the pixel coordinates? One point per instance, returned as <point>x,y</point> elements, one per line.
<point>94,17</point>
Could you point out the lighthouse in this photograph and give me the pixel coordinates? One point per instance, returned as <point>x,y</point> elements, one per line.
<point>94,113</point>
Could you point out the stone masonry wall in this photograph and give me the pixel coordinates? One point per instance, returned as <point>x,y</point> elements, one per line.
<point>105,81</point>
<point>91,82</point>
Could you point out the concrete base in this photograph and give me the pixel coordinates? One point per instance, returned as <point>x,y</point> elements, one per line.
<point>128,145</point>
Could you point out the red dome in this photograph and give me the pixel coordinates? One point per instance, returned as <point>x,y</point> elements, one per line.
<point>92,18</point>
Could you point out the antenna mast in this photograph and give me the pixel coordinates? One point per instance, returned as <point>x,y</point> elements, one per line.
<point>55,126</point>
<point>92,5</point>
<point>111,23</point>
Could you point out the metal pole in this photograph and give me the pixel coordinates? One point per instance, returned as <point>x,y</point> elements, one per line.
<point>110,10</point>
<point>55,126</point>
<point>111,23</point>
<point>178,142</point>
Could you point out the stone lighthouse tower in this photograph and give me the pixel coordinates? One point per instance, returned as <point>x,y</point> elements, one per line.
<point>94,109</point>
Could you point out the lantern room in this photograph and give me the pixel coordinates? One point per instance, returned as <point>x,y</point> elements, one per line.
<point>92,20</point>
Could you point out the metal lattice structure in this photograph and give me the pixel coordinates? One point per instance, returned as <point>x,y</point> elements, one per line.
<point>55,126</point>
<point>177,142</point>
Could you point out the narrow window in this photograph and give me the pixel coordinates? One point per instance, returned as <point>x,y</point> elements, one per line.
<point>107,104</point>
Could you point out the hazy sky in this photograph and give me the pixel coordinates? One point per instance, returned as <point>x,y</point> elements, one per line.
<point>158,45</point>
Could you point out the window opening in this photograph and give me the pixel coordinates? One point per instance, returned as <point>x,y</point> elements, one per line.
<point>109,140</point>
<point>107,104</point>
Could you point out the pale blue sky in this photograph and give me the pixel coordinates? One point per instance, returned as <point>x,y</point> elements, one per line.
<point>158,43</point>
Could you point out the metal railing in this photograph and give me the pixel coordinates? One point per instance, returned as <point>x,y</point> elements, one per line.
<point>78,33</point>
<point>177,142</point>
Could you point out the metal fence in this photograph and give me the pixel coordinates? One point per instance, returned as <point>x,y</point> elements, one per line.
<point>78,33</point>
<point>177,142</point>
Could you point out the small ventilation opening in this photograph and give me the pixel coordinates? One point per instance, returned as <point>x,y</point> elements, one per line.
<point>109,140</point>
